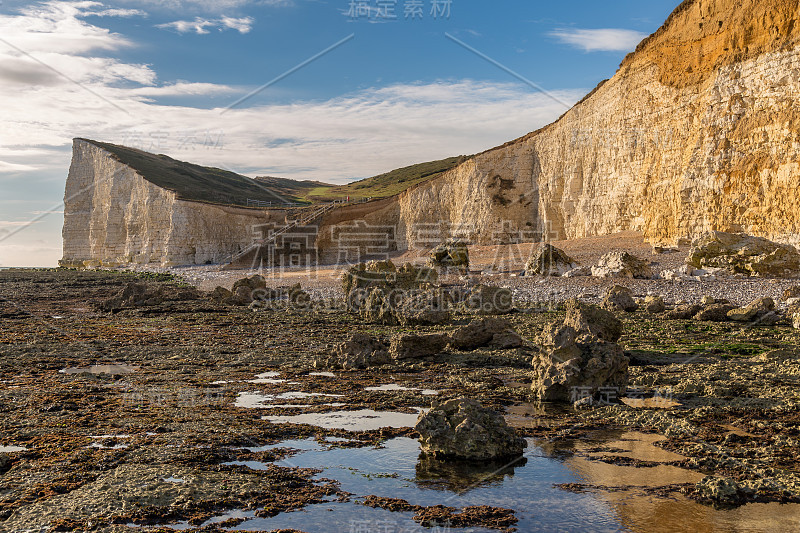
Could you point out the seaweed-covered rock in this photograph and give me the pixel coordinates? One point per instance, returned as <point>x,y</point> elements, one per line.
<point>738,253</point>
<point>417,346</point>
<point>547,260</point>
<point>493,332</point>
<point>450,254</point>
<point>620,298</point>
<point>5,463</point>
<point>462,428</point>
<point>622,265</point>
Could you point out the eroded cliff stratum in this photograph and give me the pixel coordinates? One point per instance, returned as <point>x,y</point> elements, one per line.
<point>697,130</point>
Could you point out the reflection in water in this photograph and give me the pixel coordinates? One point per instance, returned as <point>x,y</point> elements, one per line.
<point>461,476</point>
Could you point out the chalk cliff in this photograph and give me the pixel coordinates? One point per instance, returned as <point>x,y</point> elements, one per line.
<point>114,216</point>
<point>698,130</point>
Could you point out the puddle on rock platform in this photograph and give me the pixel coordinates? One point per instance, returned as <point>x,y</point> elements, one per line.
<point>397,387</point>
<point>361,420</point>
<point>112,369</point>
<point>254,400</point>
<point>12,449</point>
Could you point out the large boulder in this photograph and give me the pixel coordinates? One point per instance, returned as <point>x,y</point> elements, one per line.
<point>451,254</point>
<point>620,298</point>
<point>683,311</point>
<point>622,265</point>
<point>360,351</point>
<point>493,332</point>
<point>547,260</point>
<point>488,300</point>
<point>577,363</point>
<point>377,289</point>
<point>586,318</point>
<point>417,346</point>
<point>753,311</point>
<point>463,428</point>
<point>738,253</point>
<point>717,312</point>
<point>654,304</point>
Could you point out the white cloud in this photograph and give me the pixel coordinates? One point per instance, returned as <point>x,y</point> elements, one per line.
<point>210,6</point>
<point>200,25</point>
<point>122,13</point>
<point>354,135</point>
<point>600,40</point>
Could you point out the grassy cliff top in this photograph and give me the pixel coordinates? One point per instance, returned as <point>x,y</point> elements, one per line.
<point>206,184</point>
<point>214,185</point>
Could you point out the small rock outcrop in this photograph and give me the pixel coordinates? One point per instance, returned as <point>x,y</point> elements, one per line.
<point>716,312</point>
<point>683,311</point>
<point>738,253</point>
<point>488,300</point>
<point>464,429</point>
<point>493,332</point>
<point>753,311</point>
<point>5,463</point>
<point>360,351</point>
<point>136,294</point>
<point>654,304</point>
<point>622,265</point>
<point>620,298</point>
<point>417,346</point>
<point>547,260</point>
<point>424,308</point>
<point>578,363</point>
<point>451,254</point>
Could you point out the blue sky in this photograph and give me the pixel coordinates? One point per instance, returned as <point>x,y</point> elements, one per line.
<point>159,75</point>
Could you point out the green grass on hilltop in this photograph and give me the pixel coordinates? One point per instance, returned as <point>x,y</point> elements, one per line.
<point>203,184</point>
<point>387,184</point>
<point>214,185</point>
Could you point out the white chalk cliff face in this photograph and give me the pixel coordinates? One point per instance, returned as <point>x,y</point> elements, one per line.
<point>113,216</point>
<point>698,130</point>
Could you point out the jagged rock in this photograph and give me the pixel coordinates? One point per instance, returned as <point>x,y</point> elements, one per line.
<point>579,272</point>
<point>622,265</point>
<point>136,294</point>
<point>547,260</point>
<point>684,311</point>
<point>791,292</point>
<point>620,298</point>
<point>462,428</point>
<point>718,490</point>
<point>451,254</point>
<point>417,346</point>
<point>360,351</point>
<point>717,312</point>
<point>379,306</point>
<point>586,318</point>
<point>492,332</point>
<point>488,300</point>
<point>426,308</point>
<point>658,249</point>
<point>385,275</point>
<point>654,304</point>
<point>738,253</point>
<point>574,359</point>
<point>753,311</point>
<point>708,300</point>
<point>571,366</point>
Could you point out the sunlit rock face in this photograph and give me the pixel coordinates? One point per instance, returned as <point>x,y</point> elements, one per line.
<point>697,131</point>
